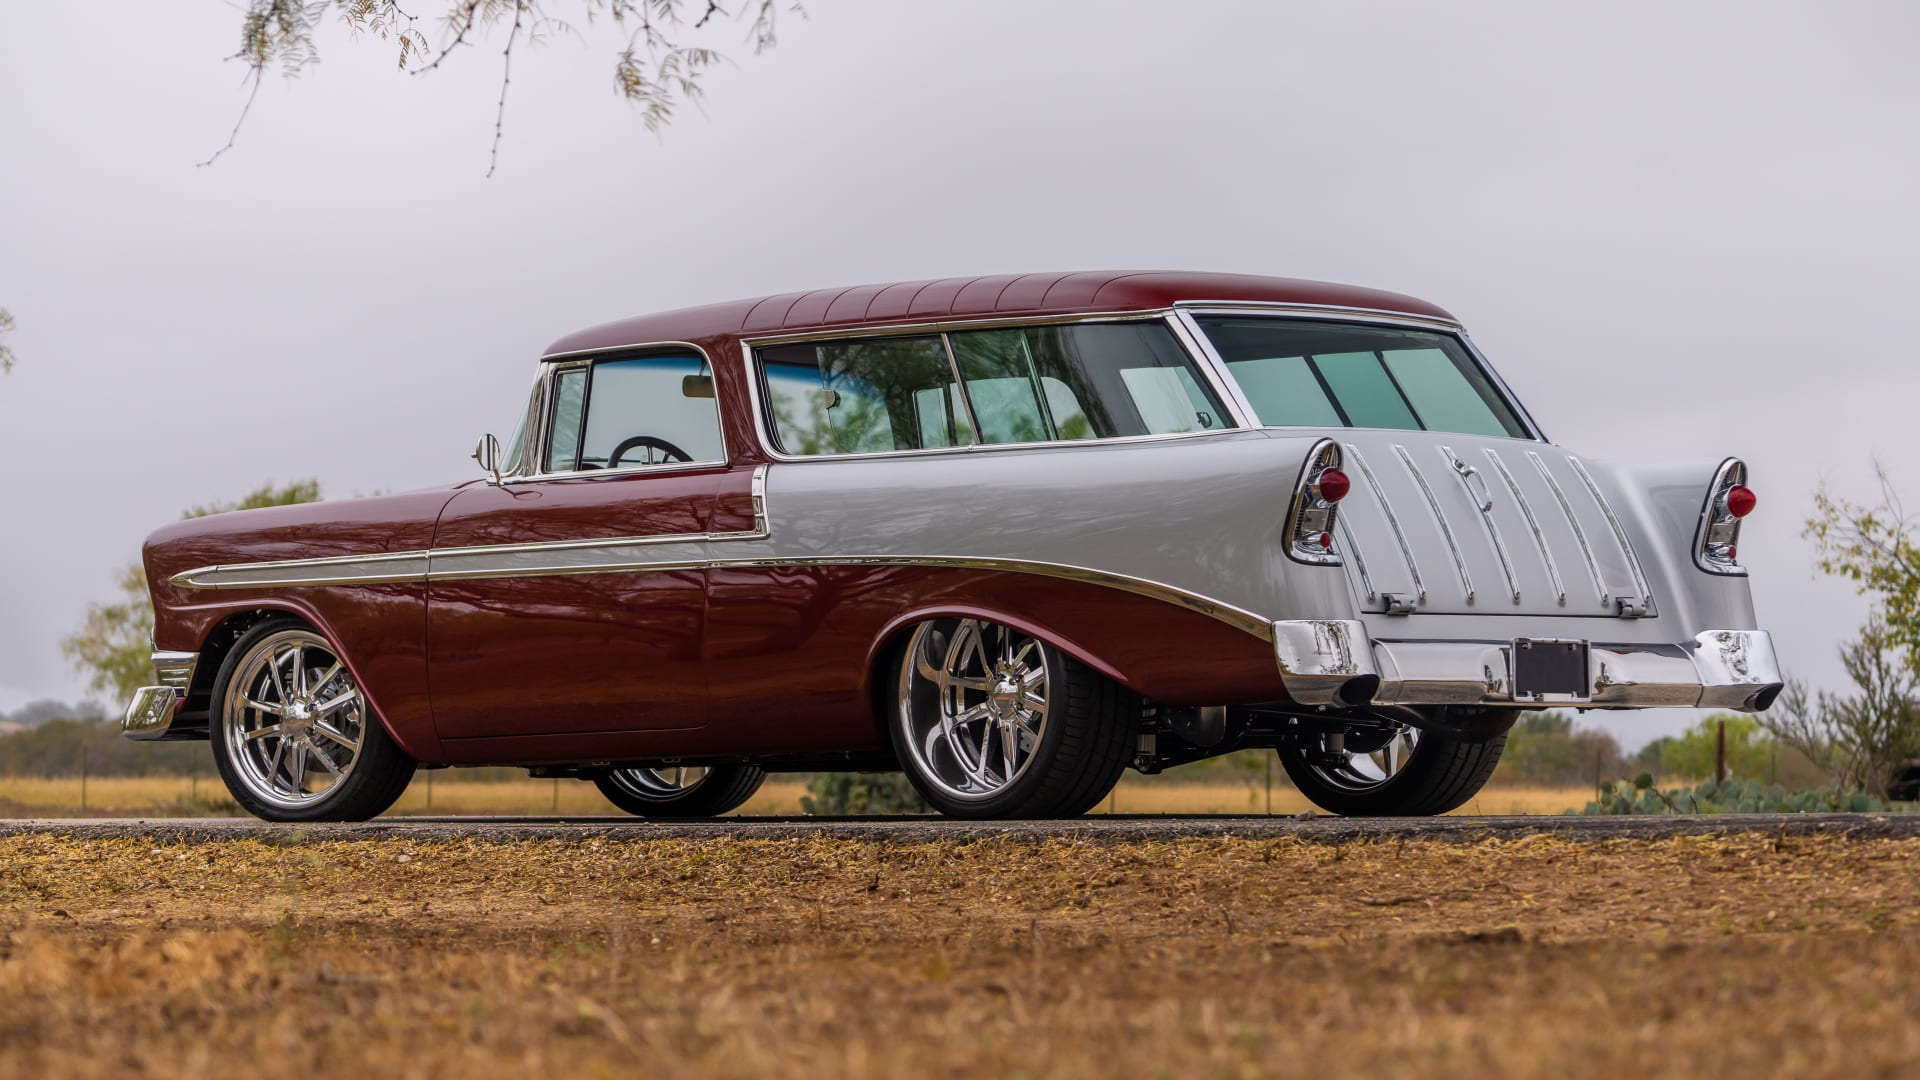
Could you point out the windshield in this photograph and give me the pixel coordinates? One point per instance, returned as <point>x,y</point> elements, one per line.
<point>1298,373</point>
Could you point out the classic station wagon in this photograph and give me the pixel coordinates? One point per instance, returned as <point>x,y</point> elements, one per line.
<point>1011,534</point>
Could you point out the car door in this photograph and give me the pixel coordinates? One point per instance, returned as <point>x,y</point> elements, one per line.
<point>571,598</point>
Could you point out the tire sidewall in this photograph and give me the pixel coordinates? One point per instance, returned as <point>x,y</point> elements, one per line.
<point>1009,801</point>
<point>347,799</point>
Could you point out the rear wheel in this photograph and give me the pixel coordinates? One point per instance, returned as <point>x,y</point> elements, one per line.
<point>680,791</point>
<point>1400,772</point>
<point>993,723</point>
<point>294,737</point>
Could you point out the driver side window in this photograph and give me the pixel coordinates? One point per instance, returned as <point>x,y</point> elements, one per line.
<point>634,412</point>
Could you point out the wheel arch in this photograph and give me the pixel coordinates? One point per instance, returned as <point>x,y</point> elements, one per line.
<point>233,622</point>
<point>892,638</point>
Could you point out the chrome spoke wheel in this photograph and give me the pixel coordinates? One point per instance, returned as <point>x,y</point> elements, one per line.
<point>1359,770</point>
<point>973,705</point>
<point>294,721</point>
<point>663,784</point>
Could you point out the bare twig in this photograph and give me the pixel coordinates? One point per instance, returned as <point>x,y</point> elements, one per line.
<point>233,136</point>
<point>506,77</point>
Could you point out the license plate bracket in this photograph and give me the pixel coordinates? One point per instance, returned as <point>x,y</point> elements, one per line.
<point>1551,669</point>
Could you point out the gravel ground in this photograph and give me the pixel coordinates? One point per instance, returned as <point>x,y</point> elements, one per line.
<point>1330,830</point>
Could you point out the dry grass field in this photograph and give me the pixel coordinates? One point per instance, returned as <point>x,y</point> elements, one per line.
<point>1750,955</point>
<point>184,797</point>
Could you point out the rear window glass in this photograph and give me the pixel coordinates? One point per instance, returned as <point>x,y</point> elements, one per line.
<point>1017,385</point>
<point>1313,374</point>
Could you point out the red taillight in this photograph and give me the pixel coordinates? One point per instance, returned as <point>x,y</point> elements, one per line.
<point>1740,500</point>
<point>1334,485</point>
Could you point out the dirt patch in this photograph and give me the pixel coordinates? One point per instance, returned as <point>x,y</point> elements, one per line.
<point>822,956</point>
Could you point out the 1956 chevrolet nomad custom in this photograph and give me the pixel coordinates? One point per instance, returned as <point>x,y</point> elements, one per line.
<point>1009,534</point>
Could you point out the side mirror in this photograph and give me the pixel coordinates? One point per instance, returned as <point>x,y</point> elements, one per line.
<point>488,455</point>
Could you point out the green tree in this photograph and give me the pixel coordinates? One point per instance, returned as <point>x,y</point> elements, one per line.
<point>660,59</point>
<point>1693,754</point>
<point>114,644</point>
<point>1862,740</point>
<point>1874,547</point>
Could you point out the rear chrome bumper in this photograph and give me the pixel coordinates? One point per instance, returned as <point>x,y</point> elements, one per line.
<point>1333,662</point>
<point>150,714</point>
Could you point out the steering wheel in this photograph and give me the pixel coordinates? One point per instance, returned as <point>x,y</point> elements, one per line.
<point>671,452</point>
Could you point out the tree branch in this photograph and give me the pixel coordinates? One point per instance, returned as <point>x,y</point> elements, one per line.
<point>506,77</point>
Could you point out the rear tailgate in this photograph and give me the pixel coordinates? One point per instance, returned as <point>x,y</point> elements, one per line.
<point>1448,524</point>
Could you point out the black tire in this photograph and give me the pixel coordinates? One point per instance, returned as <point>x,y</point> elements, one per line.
<point>1086,742</point>
<point>378,772</point>
<point>1442,773</point>
<point>644,793</point>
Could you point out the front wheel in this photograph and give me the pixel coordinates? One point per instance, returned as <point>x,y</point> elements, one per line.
<point>680,791</point>
<point>1399,772</point>
<point>990,722</point>
<point>294,737</point>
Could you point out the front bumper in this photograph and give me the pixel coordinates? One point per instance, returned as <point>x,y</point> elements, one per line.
<point>150,714</point>
<point>1334,662</point>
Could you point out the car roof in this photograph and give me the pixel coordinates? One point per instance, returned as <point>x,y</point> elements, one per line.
<point>997,296</point>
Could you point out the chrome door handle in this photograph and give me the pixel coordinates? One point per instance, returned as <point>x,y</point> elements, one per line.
<point>1468,476</point>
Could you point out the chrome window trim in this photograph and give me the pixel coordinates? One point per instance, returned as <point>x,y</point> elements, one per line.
<point>764,432</point>
<point>1196,343</point>
<point>550,367</point>
<point>1190,312</point>
<point>1331,312</point>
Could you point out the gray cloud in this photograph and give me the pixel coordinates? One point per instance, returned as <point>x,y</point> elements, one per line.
<point>1677,230</point>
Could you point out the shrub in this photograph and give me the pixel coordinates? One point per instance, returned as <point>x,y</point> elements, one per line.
<point>1732,797</point>
<point>837,794</point>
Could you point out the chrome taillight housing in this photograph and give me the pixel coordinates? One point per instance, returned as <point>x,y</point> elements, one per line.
<point>1729,499</point>
<point>1315,508</point>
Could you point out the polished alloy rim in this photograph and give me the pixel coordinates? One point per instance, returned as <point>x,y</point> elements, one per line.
<point>1363,770</point>
<point>973,704</point>
<point>659,785</point>
<point>294,720</point>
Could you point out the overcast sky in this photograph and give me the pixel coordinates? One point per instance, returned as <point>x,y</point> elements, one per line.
<point>1677,229</point>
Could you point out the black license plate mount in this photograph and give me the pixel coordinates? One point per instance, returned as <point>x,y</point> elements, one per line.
<point>1551,669</point>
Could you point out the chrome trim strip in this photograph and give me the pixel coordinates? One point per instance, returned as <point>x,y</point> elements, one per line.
<point>1500,384</point>
<point>174,669</point>
<point>1619,534</point>
<point>1484,504</point>
<point>1352,547</point>
<point>1236,617</point>
<point>288,571</point>
<point>1380,496</point>
<point>845,331</point>
<point>1197,344</point>
<point>1440,517</point>
<point>959,388</point>
<point>1586,549</point>
<point>1526,511</point>
<point>1233,616</point>
<point>1317,311</point>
